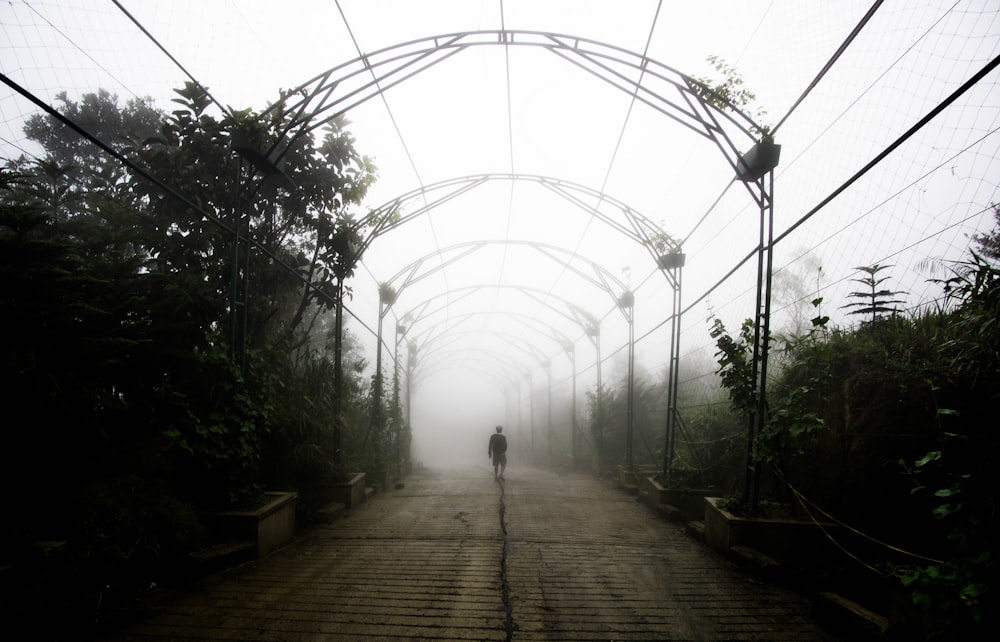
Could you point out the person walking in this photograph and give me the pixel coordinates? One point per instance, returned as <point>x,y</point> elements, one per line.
<point>498,451</point>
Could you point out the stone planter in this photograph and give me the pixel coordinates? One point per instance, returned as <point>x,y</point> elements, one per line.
<point>350,493</point>
<point>690,503</point>
<point>271,526</point>
<point>382,480</point>
<point>319,495</point>
<point>789,541</point>
<point>630,481</point>
<point>651,493</point>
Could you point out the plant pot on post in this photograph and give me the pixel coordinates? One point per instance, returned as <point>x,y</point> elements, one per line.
<point>762,158</point>
<point>671,260</point>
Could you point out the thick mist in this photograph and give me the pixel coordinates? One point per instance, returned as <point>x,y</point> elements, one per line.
<point>453,416</point>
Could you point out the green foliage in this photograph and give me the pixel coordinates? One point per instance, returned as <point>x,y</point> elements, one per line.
<point>597,401</point>
<point>735,359</point>
<point>957,480</point>
<point>989,243</point>
<point>118,295</point>
<point>663,242</point>
<point>796,410</point>
<point>960,592</point>
<point>873,302</point>
<point>729,92</point>
<point>922,391</point>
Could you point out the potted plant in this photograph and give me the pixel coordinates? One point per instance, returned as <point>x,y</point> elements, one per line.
<point>671,260</point>
<point>759,160</point>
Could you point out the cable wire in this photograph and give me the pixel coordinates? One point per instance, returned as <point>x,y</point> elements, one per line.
<point>803,500</point>
<point>174,60</point>
<point>395,126</point>
<point>829,63</point>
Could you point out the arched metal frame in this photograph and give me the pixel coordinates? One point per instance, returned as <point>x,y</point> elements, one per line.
<point>600,278</point>
<point>573,313</point>
<point>554,334</point>
<point>634,225</point>
<point>677,96</point>
<point>673,94</point>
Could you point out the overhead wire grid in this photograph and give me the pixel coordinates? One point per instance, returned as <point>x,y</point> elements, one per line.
<point>894,214</point>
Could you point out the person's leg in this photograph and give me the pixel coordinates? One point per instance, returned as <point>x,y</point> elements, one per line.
<point>503,464</point>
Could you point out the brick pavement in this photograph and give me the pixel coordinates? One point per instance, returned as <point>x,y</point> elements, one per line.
<point>457,556</point>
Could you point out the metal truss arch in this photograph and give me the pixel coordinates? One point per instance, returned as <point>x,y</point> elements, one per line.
<point>632,224</point>
<point>600,277</point>
<point>682,98</point>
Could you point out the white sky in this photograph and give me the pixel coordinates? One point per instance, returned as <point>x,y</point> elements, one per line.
<point>526,110</point>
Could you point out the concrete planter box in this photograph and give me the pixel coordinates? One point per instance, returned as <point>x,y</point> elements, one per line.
<point>350,493</point>
<point>318,495</point>
<point>630,480</point>
<point>689,502</point>
<point>789,541</point>
<point>651,493</point>
<point>271,526</point>
<point>382,480</point>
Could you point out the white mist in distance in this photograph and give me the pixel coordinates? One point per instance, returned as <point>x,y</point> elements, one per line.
<point>452,419</point>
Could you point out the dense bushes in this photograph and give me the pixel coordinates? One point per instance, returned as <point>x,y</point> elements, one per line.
<point>131,405</point>
<point>891,429</point>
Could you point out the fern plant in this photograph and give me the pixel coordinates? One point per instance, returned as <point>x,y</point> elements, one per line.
<point>874,301</point>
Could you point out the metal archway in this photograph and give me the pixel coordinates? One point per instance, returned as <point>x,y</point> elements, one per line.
<point>634,226</point>
<point>601,279</point>
<point>677,96</point>
<point>554,334</point>
<point>574,313</point>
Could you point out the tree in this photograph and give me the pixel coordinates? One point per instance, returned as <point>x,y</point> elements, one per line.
<point>117,294</point>
<point>873,302</point>
<point>988,244</point>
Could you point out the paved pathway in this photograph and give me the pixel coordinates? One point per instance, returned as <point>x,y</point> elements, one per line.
<point>457,556</point>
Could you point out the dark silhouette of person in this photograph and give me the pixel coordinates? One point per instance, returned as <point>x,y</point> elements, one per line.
<point>498,451</point>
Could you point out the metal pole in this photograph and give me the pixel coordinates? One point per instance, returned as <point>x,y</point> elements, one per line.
<point>630,387</point>
<point>520,417</point>
<point>756,419</point>
<point>766,330</point>
<point>338,369</point>
<point>599,439</point>
<point>531,414</point>
<point>629,408</point>
<point>573,426</point>
<point>670,438</point>
<point>548,409</point>
<point>411,360</point>
<point>395,402</point>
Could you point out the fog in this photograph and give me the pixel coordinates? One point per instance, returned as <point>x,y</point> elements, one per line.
<point>453,416</point>
<point>552,250</point>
